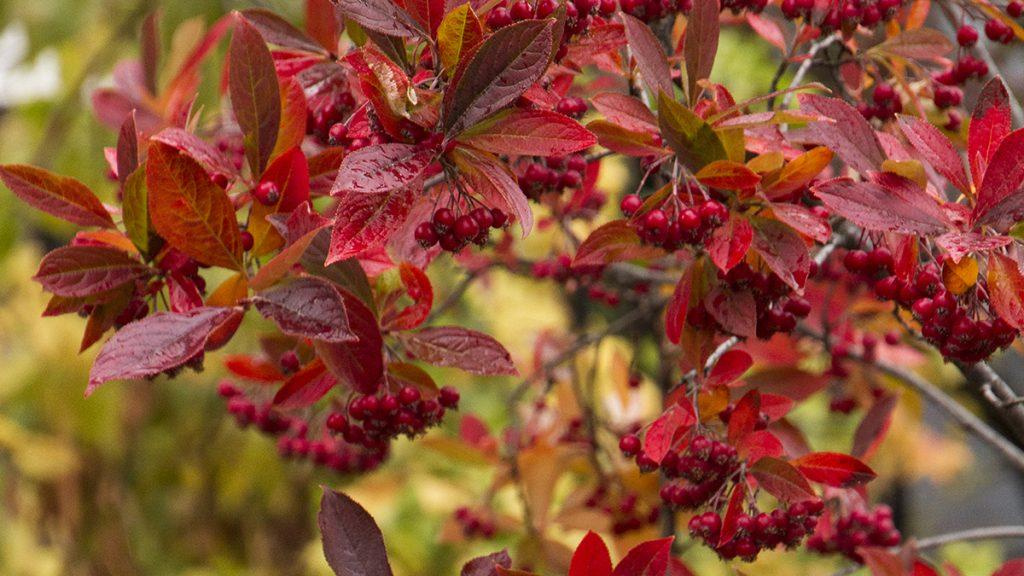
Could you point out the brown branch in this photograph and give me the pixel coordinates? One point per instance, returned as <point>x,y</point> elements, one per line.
<point>974,534</point>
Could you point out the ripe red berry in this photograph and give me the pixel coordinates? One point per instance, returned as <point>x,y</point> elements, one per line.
<point>247,240</point>
<point>425,234</point>
<point>409,395</point>
<point>466,227</point>
<point>966,36</point>
<point>521,10</point>
<point>290,361</point>
<point>629,445</point>
<point>483,218</point>
<point>500,218</point>
<point>267,193</point>
<point>444,219</point>
<point>448,397</point>
<point>337,134</point>
<point>498,18</point>
<point>630,204</point>
<point>1015,9</point>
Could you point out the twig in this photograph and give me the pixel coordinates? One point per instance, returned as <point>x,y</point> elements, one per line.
<point>458,291</point>
<point>987,533</point>
<point>994,389</point>
<point>805,66</point>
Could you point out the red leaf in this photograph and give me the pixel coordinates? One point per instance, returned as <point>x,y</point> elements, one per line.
<point>700,44</point>
<point>1006,289</point>
<point>127,149</point>
<point>736,311</point>
<point>615,241</point>
<point>650,56</point>
<point>490,178</point>
<point>487,565</point>
<point>306,387</point>
<point>359,364</point>
<point>1001,195</point>
<point>504,66</point>
<point>625,111</point>
<point>635,143</point>
<point>960,244</point>
<point>156,343</point>
<point>905,209</point>
<point>460,348</point>
<point>733,511</point>
<point>760,444</point>
<point>881,562</point>
<point>307,307</point>
<point>873,427</point>
<point>936,150</point>
<point>189,211</point>
<point>418,287</point>
<point>646,559</point>
<point>278,31</point>
<point>990,124</point>
<point>428,13</point>
<point>352,541</point>
<point>745,416</point>
<point>382,168</point>
<point>255,369</point>
<point>729,368</point>
<point>834,469</point>
<point>382,16</point>
<point>212,159</point>
<point>518,132</point>
<point>65,198</point>
<point>591,558</point>
<point>850,135</point>
<point>366,221</point>
<point>675,312</point>
<point>290,173</point>
<point>922,568</point>
<point>661,433</point>
<point>79,271</point>
<point>803,220</point>
<point>730,242</point>
<point>255,93</point>
<point>1011,568</point>
<point>782,480</point>
<point>782,250</point>
<point>727,175</point>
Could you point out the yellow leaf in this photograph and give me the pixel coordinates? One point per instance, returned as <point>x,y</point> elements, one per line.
<point>800,171</point>
<point>458,32</point>
<point>960,277</point>
<point>768,162</point>
<point>230,291</point>
<point>910,169</point>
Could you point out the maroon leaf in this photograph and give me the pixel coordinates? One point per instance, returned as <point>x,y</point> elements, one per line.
<point>736,311</point>
<point>803,220</point>
<point>873,427</point>
<point>366,221</point>
<point>629,142</point>
<point>504,66</point>
<point>675,312</point>
<point>661,433</point>
<point>936,150</point>
<point>745,416</point>
<point>850,135</point>
<point>353,544</point>
<point>359,364</point>
<point>625,111</point>
<point>729,368</point>
<point>782,250</point>
<point>1006,289</point>
<point>157,343</point>
<point>461,348</point>
<point>646,559</point>
<point>834,469</point>
<point>278,31</point>
<point>1001,195</point>
<point>306,387</point>
<point>518,132</point>
<point>417,286</point>
<point>382,168</point>
<point>255,93</point>
<point>65,198</point>
<point>990,124</point>
<point>428,13</point>
<point>733,511</point>
<point>127,150</point>
<point>307,307</point>
<point>760,444</point>
<point>591,557</point>
<point>615,241</point>
<point>1011,568</point>
<point>730,242</point>
<point>905,209</point>
<point>212,159</point>
<point>382,16</point>
<point>79,271</point>
<point>490,178</point>
<point>960,244</point>
<point>782,480</point>
<point>700,43</point>
<point>487,565</point>
<point>650,56</point>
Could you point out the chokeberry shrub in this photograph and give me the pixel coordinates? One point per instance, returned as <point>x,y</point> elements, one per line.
<point>801,243</point>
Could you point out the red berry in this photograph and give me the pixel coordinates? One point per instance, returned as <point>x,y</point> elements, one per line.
<point>448,397</point>
<point>337,134</point>
<point>409,395</point>
<point>444,219</point>
<point>629,445</point>
<point>483,217</point>
<point>1015,9</point>
<point>290,361</point>
<point>267,193</point>
<point>521,10</point>
<point>466,227</point>
<point>500,218</point>
<point>425,234</point>
<point>607,7</point>
<point>247,240</point>
<point>966,36</point>
<point>499,18</point>
<point>630,204</point>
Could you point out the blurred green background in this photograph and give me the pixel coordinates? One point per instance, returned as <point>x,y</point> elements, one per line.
<point>154,478</point>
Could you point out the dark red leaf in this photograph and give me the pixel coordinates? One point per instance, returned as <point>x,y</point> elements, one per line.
<point>760,444</point>
<point>662,432</point>
<point>850,135</point>
<point>591,557</point>
<point>700,44</point>
<point>625,111</point>
<point>213,160</point>
<point>504,66</point>
<point>736,311</point>
<point>733,511</point>
<point>491,178</point>
<point>675,312</point>
<point>873,427</point>
<point>353,544</point>
<point>461,348</point>
<point>615,241</point>
<point>487,565</point>
<point>358,364</point>
<point>306,387</point>
<point>278,31</point>
<point>418,287</point>
<point>428,13</point>
<point>936,150</point>
<point>127,149</point>
<point>307,307</point>
<point>79,271</point>
<point>730,242</point>
<point>1001,195</point>
<point>518,132</point>
<point>745,416</point>
<point>650,56</point>
<point>382,16</point>
<point>905,209</point>
<point>782,480</point>
<point>366,221</point>
<point>1011,568</point>
<point>729,368</point>
<point>803,220</point>
<point>646,559</point>
<point>990,124</point>
<point>960,244</point>
<point>255,93</point>
<point>65,198</point>
<point>1006,289</point>
<point>618,139</point>
<point>156,343</point>
<point>882,562</point>
<point>834,469</point>
<point>382,168</point>
<point>252,368</point>
<point>783,250</point>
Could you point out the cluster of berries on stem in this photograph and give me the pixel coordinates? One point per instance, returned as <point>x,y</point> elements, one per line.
<point>760,530</point>
<point>675,224</point>
<point>846,533</point>
<point>454,231</point>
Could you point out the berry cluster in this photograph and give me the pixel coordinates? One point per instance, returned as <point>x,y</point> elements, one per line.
<point>292,435</point>
<point>778,309</point>
<point>674,224</point>
<point>704,467</point>
<point>946,321</point>
<point>578,16</point>
<point>886,103</point>
<point>998,31</point>
<point>374,420</point>
<point>859,528</point>
<point>552,174</point>
<point>625,509</point>
<point>453,232</point>
<point>326,110</point>
<point>760,531</point>
<point>847,15</point>
<point>648,10</point>
<point>559,269</point>
<point>475,524</point>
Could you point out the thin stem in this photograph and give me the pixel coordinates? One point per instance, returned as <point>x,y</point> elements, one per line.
<point>805,66</point>
<point>974,534</point>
